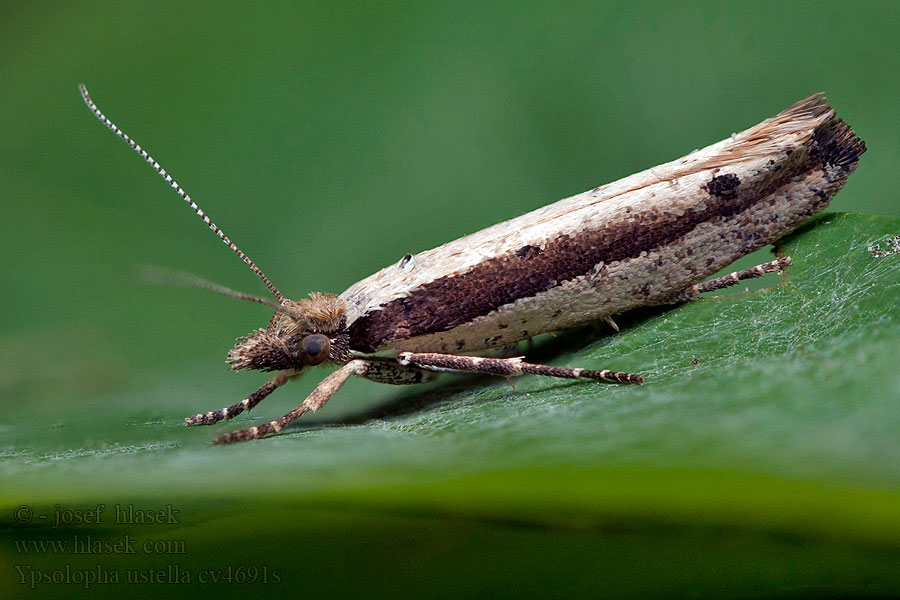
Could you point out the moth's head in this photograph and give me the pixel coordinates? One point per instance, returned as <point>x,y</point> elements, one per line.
<point>300,334</point>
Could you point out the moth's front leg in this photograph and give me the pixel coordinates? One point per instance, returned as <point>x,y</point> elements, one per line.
<point>214,416</point>
<point>508,367</point>
<point>316,400</point>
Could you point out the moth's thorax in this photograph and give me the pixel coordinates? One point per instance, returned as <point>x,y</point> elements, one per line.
<point>320,313</point>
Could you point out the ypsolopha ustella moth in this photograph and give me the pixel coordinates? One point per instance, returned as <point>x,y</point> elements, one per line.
<point>648,239</point>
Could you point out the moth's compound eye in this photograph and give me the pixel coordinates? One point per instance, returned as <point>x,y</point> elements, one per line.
<point>316,348</point>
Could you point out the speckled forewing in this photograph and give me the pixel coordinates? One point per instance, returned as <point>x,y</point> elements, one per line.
<point>633,242</point>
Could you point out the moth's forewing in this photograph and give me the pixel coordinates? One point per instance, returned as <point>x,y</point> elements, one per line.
<point>633,242</point>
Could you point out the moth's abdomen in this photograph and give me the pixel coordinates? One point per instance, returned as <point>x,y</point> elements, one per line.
<point>631,243</point>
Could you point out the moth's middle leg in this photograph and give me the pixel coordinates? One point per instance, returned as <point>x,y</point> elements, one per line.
<point>508,367</point>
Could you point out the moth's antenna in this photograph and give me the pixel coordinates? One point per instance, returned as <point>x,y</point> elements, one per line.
<point>159,276</point>
<point>134,146</point>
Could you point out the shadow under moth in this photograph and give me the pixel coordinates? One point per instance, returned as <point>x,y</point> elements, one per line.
<point>649,239</point>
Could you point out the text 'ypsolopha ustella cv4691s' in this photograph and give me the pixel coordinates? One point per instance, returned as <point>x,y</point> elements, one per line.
<point>648,239</point>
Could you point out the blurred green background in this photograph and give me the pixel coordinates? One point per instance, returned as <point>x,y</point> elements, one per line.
<point>328,139</point>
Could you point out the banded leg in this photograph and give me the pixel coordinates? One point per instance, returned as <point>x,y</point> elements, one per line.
<point>214,416</point>
<point>384,371</point>
<point>319,396</point>
<point>508,367</point>
<point>731,279</point>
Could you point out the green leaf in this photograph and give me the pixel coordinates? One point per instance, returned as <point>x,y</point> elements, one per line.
<point>761,457</point>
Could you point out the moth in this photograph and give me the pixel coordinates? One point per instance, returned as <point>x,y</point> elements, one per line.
<point>652,238</point>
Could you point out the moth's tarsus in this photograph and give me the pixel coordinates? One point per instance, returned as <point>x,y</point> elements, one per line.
<point>732,278</point>
<point>247,404</point>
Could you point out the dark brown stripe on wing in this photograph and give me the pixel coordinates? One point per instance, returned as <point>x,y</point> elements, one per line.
<point>453,300</point>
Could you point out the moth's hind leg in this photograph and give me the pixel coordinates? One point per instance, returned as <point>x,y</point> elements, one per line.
<point>214,416</point>
<point>508,367</point>
<point>731,279</point>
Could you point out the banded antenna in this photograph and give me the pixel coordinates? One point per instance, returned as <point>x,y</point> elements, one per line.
<point>178,189</point>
